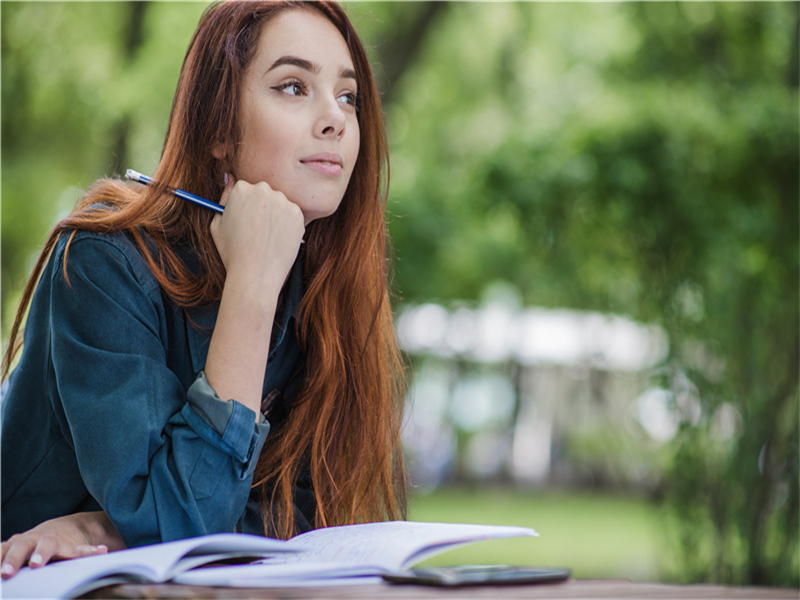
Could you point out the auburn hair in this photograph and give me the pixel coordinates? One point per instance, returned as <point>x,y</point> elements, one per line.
<point>343,428</point>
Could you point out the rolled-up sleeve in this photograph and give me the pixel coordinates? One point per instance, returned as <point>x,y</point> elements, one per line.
<point>163,463</point>
<point>219,423</point>
<point>208,405</point>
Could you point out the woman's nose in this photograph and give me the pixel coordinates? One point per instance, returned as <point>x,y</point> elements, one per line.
<point>331,120</point>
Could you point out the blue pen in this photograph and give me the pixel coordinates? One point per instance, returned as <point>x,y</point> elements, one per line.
<point>136,176</point>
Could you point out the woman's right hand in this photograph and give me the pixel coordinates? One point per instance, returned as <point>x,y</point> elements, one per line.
<point>259,234</point>
<point>70,536</point>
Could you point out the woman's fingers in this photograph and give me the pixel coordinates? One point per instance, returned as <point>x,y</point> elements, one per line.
<point>226,192</point>
<point>229,182</point>
<point>39,550</point>
<point>260,232</point>
<point>87,550</point>
<point>51,547</point>
<point>16,552</point>
<point>45,548</point>
<point>70,536</point>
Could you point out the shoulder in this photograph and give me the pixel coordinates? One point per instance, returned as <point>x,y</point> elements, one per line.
<point>102,257</point>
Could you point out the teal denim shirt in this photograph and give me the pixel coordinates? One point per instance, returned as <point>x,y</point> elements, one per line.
<point>108,407</point>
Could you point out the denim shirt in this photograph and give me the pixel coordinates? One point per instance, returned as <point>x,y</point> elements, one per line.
<point>108,407</point>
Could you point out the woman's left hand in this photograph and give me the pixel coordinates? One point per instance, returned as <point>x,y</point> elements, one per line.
<point>70,536</point>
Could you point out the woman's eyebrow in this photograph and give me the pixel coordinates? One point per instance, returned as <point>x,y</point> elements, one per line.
<point>348,74</point>
<point>307,65</point>
<point>302,63</point>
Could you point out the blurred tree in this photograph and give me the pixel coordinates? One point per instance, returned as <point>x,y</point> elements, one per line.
<point>640,159</point>
<point>133,39</point>
<point>403,30</point>
<point>726,268</point>
<point>86,92</point>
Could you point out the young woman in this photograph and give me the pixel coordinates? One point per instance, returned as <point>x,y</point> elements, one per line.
<point>185,373</point>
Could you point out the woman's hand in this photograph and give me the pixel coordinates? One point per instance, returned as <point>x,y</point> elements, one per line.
<point>259,234</point>
<point>71,536</point>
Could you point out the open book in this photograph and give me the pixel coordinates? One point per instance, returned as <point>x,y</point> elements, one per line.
<point>156,563</point>
<point>319,557</point>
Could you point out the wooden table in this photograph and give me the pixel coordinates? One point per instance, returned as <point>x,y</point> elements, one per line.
<point>574,588</point>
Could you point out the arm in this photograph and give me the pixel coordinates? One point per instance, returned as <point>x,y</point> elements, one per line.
<point>71,536</point>
<point>143,451</point>
<point>258,238</point>
<point>157,469</point>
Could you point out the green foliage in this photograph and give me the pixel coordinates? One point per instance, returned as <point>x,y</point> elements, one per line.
<point>641,159</point>
<point>84,86</point>
<point>638,158</point>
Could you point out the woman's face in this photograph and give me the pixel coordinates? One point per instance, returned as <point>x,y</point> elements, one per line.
<point>298,117</point>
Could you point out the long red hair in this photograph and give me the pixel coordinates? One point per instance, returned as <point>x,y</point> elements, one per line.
<point>344,426</point>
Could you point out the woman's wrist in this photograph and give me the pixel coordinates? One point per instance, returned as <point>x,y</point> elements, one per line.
<point>256,290</point>
<point>237,354</point>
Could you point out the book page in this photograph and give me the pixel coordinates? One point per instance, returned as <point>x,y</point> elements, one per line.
<point>393,545</point>
<point>350,553</point>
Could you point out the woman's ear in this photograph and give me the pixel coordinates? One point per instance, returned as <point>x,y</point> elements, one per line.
<point>218,151</point>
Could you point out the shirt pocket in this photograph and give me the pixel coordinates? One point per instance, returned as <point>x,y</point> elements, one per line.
<point>208,469</point>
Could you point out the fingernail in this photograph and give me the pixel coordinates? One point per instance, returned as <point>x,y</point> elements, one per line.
<point>101,548</point>
<point>36,559</point>
<point>8,569</point>
<point>225,179</point>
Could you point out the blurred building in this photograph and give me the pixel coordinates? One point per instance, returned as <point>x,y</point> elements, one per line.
<point>530,395</point>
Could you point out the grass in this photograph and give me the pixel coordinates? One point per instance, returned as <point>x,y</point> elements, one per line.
<point>595,535</point>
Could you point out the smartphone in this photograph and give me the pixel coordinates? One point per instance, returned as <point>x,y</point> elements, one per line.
<point>478,575</point>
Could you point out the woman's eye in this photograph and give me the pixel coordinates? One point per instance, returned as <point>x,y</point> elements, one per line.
<point>350,98</point>
<point>291,88</point>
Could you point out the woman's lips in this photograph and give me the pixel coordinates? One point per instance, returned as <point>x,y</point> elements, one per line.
<point>327,163</point>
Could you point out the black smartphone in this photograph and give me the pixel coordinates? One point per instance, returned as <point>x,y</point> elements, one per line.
<point>478,575</point>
